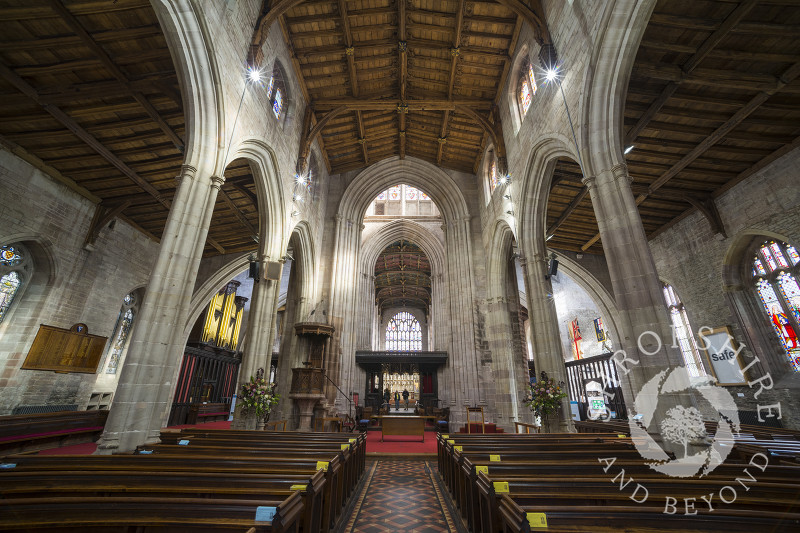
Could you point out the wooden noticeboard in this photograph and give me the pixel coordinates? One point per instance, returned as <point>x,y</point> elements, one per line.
<point>65,350</point>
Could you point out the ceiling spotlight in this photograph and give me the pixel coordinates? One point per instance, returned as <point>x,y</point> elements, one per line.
<point>253,74</point>
<point>551,74</point>
<point>295,213</point>
<point>548,237</point>
<point>507,196</point>
<point>628,149</point>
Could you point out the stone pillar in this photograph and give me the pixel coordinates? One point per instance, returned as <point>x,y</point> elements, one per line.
<point>545,339</point>
<point>141,402</point>
<point>637,288</point>
<point>260,334</point>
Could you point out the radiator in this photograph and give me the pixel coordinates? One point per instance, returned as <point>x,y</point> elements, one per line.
<point>36,409</point>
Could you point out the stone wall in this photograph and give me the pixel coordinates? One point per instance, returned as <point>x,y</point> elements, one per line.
<point>573,302</point>
<point>692,259</point>
<point>70,283</point>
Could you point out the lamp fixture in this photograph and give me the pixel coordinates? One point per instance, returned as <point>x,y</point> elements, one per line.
<point>628,149</point>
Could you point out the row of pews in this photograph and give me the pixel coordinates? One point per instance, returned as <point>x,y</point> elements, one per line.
<point>32,432</point>
<point>195,480</point>
<point>567,482</point>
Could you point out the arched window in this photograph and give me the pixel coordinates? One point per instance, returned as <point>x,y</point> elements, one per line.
<point>776,267</point>
<point>13,260</point>
<point>403,333</point>
<point>493,180</point>
<point>122,332</point>
<point>276,91</point>
<point>682,332</point>
<point>527,88</point>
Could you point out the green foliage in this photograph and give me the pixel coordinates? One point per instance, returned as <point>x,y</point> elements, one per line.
<point>545,396</point>
<point>257,396</point>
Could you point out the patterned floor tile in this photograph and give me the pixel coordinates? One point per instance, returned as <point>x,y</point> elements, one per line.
<point>400,496</point>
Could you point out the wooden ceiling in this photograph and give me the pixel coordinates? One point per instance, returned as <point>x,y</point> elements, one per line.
<point>403,77</point>
<point>713,98</point>
<point>402,277</point>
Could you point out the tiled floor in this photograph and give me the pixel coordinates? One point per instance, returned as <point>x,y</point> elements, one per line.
<point>400,496</point>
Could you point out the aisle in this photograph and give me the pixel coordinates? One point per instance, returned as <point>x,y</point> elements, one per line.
<point>400,496</point>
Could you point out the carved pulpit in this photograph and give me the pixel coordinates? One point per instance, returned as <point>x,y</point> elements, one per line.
<point>308,383</point>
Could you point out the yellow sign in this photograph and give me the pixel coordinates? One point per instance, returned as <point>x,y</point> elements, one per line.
<point>352,441</point>
<point>451,441</point>
<point>621,436</point>
<point>297,487</point>
<point>500,486</point>
<point>322,465</point>
<point>445,437</point>
<point>495,458</point>
<point>458,448</point>
<point>484,469</point>
<point>345,446</point>
<point>537,519</point>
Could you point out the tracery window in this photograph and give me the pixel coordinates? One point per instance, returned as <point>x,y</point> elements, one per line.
<point>12,275</point>
<point>122,331</point>
<point>527,88</point>
<point>682,332</point>
<point>276,91</point>
<point>493,180</point>
<point>403,333</point>
<point>776,267</point>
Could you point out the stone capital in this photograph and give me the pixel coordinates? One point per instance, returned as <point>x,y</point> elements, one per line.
<point>216,182</point>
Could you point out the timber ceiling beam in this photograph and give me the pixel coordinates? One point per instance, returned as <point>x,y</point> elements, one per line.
<point>270,12</point>
<point>708,45</point>
<point>239,214</point>
<point>402,50</point>
<point>102,216</point>
<point>68,122</point>
<point>455,52</point>
<point>72,22</point>
<point>432,104</point>
<point>353,74</point>
<point>786,78</point>
<point>533,14</point>
<point>568,211</point>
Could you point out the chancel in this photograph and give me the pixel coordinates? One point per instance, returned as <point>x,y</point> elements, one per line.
<point>403,265</point>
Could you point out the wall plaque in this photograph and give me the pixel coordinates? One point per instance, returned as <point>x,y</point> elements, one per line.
<point>65,350</point>
<point>722,353</point>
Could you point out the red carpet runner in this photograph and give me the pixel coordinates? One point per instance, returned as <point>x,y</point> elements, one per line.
<point>400,496</point>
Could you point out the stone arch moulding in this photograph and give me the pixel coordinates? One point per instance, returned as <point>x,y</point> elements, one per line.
<point>517,118</point>
<point>273,215</point>
<point>535,191</point>
<point>444,192</point>
<point>43,250</point>
<point>193,55</point>
<point>304,263</point>
<point>606,83</point>
<point>602,298</point>
<point>403,229</point>
<point>202,295</point>
<point>497,268</point>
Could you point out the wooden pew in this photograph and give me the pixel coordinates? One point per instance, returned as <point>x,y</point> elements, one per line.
<point>208,412</point>
<point>19,433</point>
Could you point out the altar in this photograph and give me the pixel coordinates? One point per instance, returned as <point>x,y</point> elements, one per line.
<point>413,426</point>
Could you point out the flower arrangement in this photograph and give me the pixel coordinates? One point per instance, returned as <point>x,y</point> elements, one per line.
<point>545,395</point>
<point>257,396</point>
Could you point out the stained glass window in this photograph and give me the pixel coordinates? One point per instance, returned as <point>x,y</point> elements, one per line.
<point>270,86</point>
<point>779,292</point>
<point>411,193</point>
<point>394,193</point>
<point>9,256</point>
<point>682,332</point>
<point>121,334</point>
<point>382,195</point>
<point>524,96</point>
<point>423,196</point>
<point>493,175</point>
<point>9,285</point>
<point>403,333</point>
<point>532,79</point>
<point>277,105</point>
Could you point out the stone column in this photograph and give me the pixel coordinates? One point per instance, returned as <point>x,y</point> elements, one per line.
<point>260,334</point>
<point>545,339</point>
<point>141,402</point>
<point>637,288</point>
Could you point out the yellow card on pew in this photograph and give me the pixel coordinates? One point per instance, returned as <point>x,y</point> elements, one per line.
<point>351,441</point>
<point>445,437</point>
<point>322,465</point>
<point>484,469</point>
<point>500,486</point>
<point>495,458</point>
<point>345,446</point>
<point>458,448</point>
<point>451,441</point>
<point>297,487</point>
<point>621,436</point>
<point>537,519</point>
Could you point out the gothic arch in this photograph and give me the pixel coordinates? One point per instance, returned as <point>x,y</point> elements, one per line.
<point>602,106</point>
<point>423,175</point>
<point>403,229</point>
<point>497,266</point>
<point>202,295</point>
<point>195,62</point>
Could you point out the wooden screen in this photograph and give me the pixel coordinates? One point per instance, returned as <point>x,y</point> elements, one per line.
<point>65,350</point>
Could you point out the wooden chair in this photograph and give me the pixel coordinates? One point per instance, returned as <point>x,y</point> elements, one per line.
<point>476,411</point>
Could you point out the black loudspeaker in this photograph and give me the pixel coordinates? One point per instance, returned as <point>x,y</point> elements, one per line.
<point>273,270</point>
<point>253,272</point>
<point>553,267</point>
